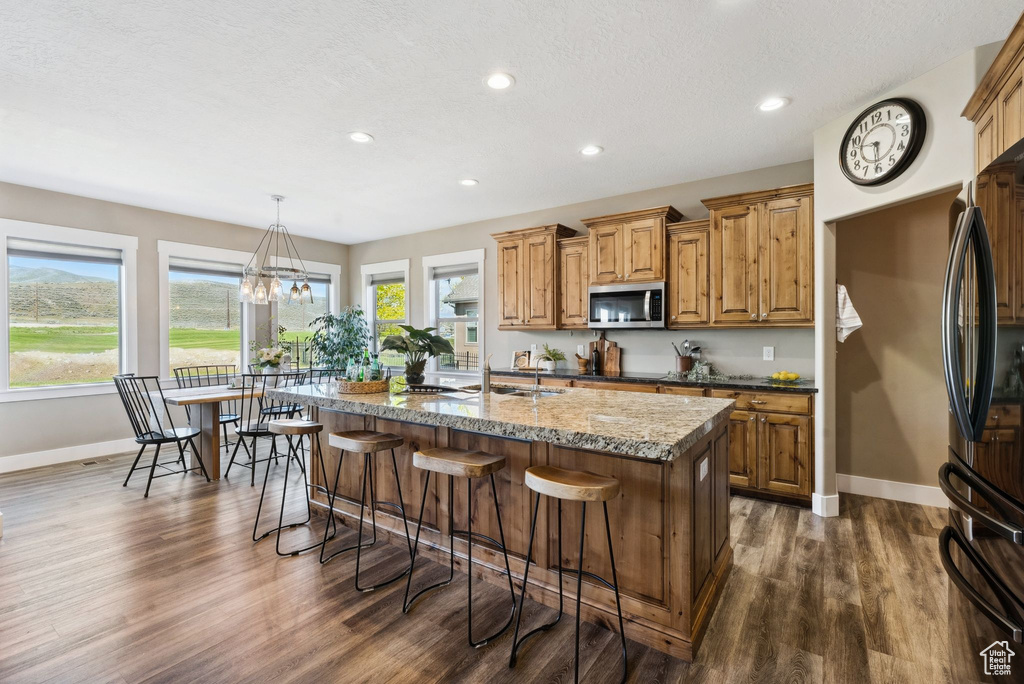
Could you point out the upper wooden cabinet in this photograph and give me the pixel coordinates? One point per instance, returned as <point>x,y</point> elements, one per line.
<point>629,247</point>
<point>995,193</point>
<point>762,257</point>
<point>574,266</point>
<point>997,105</point>
<point>687,298</point>
<point>528,276</point>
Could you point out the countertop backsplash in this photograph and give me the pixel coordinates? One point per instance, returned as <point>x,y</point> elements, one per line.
<point>734,352</point>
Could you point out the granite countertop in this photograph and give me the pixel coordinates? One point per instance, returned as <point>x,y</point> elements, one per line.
<point>739,383</point>
<point>654,426</point>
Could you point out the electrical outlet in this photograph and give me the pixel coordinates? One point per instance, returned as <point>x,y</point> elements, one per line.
<point>533,348</point>
<point>703,469</point>
<point>581,349</point>
<point>769,354</point>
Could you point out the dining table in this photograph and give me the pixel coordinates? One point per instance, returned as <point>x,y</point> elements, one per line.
<point>206,418</point>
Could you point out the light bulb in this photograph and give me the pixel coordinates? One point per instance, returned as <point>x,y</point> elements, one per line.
<point>260,295</point>
<point>276,293</point>
<point>295,292</point>
<point>306,289</point>
<point>245,291</point>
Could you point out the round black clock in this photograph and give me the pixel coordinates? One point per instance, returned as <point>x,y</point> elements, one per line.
<point>882,141</point>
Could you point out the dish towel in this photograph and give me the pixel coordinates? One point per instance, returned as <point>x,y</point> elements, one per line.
<point>847,318</point>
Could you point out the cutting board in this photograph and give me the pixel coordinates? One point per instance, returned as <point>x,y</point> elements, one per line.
<point>611,355</point>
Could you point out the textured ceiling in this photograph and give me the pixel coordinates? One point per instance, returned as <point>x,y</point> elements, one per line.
<point>206,108</point>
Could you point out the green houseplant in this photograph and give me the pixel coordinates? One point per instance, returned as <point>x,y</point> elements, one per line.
<point>549,358</point>
<point>417,345</point>
<point>336,339</point>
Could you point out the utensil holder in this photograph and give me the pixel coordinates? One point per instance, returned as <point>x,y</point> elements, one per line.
<point>684,364</point>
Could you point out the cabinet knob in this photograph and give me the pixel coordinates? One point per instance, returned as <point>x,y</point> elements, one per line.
<point>753,317</point>
<point>673,318</point>
<point>764,316</point>
<point>764,419</point>
<point>751,417</point>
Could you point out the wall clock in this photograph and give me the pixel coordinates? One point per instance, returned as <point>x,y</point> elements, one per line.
<point>882,141</point>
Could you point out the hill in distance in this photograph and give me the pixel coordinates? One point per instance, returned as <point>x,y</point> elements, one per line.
<point>25,274</point>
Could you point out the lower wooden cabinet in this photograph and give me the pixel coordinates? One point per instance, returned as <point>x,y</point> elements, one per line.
<point>784,454</point>
<point>743,449</point>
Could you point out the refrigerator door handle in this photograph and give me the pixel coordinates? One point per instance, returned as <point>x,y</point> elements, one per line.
<point>1007,530</point>
<point>1010,620</point>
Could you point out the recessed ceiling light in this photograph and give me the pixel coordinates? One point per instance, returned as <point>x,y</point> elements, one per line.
<point>591,150</point>
<point>360,137</point>
<point>500,81</point>
<point>773,103</point>
<point>469,181</point>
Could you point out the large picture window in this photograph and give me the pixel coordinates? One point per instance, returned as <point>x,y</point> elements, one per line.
<point>458,304</point>
<point>295,318</point>
<point>205,316</point>
<point>387,294</point>
<point>64,313</point>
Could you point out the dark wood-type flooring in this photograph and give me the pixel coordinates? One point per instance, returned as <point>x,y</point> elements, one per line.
<point>98,584</point>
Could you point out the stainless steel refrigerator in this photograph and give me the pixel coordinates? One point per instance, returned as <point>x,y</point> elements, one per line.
<point>982,547</point>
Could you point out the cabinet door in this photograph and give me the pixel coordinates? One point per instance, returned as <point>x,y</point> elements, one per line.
<point>786,261</point>
<point>538,281</point>
<point>1011,111</point>
<point>510,282</point>
<point>574,281</point>
<point>986,137</point>
<point>743,449</point>
<point>734,287</point>
<point>688,279</point>
<point>643,245</point>
<point>606,254</point>
<point>1018,238</point>
<point>784,453</point>
<point>997,199</point>
<point>617,386</point>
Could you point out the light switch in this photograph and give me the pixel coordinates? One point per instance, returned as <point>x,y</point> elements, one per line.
<point>581,349</point>
<point>703,469</point>
<point>769,354</point>
<point>533,348</point>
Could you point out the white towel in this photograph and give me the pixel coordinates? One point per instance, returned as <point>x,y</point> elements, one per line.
<point>847,318</point>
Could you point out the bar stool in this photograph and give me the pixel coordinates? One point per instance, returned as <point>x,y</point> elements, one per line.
<point>290,427</point>
<point>368,443</point>
<point>570,485</point>
<point>470,465</point>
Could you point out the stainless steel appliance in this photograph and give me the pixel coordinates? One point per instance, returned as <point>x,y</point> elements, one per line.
<point>982,547</point>
<point>639,305</point>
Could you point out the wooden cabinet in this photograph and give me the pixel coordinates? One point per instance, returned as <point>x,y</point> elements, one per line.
<point>619,386</point>
<point>997,105</point>
<point>996,195</point>
<point>629,247</point>
<point>687,298</point>
<point>762,258</point>
<point>573,257</point>
<point>529,277</point>
<point>771,444</point>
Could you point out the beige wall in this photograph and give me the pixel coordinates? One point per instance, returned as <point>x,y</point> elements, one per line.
<point>31,426</point>
<point>646,351</point>
<point>891,406</point>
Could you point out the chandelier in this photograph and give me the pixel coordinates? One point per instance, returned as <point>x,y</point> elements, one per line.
<point>261,267</point>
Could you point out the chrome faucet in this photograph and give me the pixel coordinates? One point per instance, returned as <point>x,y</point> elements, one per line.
<point>485,378</point>
<point>536,378</point>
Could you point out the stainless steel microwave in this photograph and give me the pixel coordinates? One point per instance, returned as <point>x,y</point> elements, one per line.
<point>630,305</point>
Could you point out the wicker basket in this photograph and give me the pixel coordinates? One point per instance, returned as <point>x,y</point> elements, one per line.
<point>370,387</point>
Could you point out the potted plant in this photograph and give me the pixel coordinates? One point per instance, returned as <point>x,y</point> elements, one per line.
<point>549,358</point>
<point>417,345</point>
<point>336,339</point>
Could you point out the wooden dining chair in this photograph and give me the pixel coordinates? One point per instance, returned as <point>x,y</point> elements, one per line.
<point>189,377</point>
<point>152,422</point>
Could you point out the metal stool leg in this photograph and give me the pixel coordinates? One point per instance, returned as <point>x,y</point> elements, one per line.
<point>202,465</point>
<point>406,601</point>
<point>369,465</point>
<point>239,442</point>
<point>332,495</point>
<point>579,588</point>
<point>508,570</point>
<point>152,469</point>
<point>615,583</point>
<point>516,641</point>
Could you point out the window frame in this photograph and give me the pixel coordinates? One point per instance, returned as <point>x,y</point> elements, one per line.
<point>399,269</point>
<point>471,257</point>
<point>128,304</point>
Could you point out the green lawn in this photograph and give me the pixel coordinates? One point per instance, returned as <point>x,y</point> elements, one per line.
<point>70,339</point>
<point>194,338</point>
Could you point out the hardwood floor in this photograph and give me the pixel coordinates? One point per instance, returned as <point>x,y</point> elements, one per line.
<point>99,584</point>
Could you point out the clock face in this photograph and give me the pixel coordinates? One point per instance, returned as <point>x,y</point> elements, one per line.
<point>882,141</point>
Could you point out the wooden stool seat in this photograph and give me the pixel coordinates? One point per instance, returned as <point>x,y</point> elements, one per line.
<point>364,441</point>
<point>294,426</point>
<point>458,462</point>
<point>572,485</point>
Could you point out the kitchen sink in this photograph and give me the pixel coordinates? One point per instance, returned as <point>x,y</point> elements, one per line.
<point>518,391</point>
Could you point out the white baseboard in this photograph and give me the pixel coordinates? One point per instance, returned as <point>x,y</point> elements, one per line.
<point>827,506</point>
<point>887,489</point>
<point>80,452</point>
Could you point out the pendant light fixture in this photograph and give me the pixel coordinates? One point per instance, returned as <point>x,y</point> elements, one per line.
<point>267,264</point>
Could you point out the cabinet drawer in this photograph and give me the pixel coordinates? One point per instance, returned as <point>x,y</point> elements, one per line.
<point>618,386</point>
<point>685,391</point>
<point>767,401</point>
<point>1005,415</point>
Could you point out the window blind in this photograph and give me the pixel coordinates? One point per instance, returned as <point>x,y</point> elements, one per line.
<point>40,249</point>
<point>204,267</point>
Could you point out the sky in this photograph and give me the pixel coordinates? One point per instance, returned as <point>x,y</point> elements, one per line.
<point>84,268</point>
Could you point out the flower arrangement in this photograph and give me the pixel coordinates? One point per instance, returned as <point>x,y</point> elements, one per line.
<point>269,357</point>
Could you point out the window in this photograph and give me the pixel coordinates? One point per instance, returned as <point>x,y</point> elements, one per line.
<point>205,316</point>
<point>295,317</point>
<point>387,295</point>
<point>455,295</point>
<point>69,317</point>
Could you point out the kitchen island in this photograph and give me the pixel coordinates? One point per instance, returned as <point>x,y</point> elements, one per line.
<point>670,523</point>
